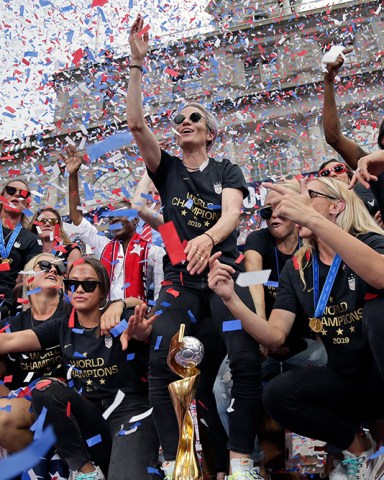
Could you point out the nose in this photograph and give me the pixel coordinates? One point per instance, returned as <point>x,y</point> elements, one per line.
<point>333,174</point>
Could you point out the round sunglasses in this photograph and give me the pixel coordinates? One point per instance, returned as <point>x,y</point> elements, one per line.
<point>15,191</point>
<point>46,266</point>
<point>265,212</point>
<point>87,285</point>
<point>339,168</point>
<point>50,221</point>
<point>194,117</point>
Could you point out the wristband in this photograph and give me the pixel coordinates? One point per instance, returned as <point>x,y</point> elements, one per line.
<point>137,66</point>
<point>115,301</point>
<point>210,236</point>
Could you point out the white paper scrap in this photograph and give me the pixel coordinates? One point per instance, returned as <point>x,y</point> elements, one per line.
<point>253,278</point>
<point>118,399</point>
<point>137,418</point>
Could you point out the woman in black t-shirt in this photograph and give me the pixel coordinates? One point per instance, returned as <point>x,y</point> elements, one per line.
<point>97,369</point>
<point>325,403</point>
<point>21,370</point>
<point>202,197</point>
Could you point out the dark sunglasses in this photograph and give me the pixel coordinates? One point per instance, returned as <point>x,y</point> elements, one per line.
<point>87,285</point>
<point>265,213</point>
<point>194,118</point>
<point>50,221</point>
<point>14,191</point>
<point>338,169</point>
<point>314,194</point>
<point>46,266</point>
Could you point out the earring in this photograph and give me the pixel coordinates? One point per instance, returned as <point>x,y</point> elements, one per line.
<point>105,304</point>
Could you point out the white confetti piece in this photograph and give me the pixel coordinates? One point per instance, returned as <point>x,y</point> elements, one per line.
<point>245,279</point>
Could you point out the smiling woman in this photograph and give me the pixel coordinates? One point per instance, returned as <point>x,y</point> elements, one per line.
<point>17,244</point>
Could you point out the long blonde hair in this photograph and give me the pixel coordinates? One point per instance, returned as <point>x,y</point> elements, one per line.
<point>354,219</point>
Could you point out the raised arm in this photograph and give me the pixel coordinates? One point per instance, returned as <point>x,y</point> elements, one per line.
<point>150,215</point>
<point>272,333</point>
<point>348,149</point>
<point>73,162</point>
<point>145,139</point>
<point>253,261</point>
<point>24,341</point>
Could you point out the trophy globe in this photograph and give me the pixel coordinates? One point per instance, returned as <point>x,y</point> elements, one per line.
<point>191,353</point>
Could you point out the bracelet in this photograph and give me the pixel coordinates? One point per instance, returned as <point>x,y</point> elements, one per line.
<point>115,301</point>
<point>210,236</point>
<point>137,66</point>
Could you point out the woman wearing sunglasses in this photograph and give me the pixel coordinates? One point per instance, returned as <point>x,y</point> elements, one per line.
<point>17,244</point>
<point>342,172</point>
<point>97,368</point>
<point>326,403</point>
<point>43,282</point>
<point>203,199</point>
<point>48,226</point>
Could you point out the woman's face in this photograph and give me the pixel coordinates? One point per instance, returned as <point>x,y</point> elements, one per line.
<point>49,274</point>
<point>48,227</point>
<point>279,228</point>
<point>192,130</point>
<point>335,170</point>
<point>80,298</point>
<point>18,196</point>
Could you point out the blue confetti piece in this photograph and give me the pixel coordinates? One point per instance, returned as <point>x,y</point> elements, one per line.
<point>151,303</point>
<point>232,325</point>
<point>126,285</point>
<point>130,356</point>
<point>119,328</point>
<point>378,453</point>
<point>31,54</point>
<point>130,213</point>
<point>192,317</point>
<point>26,459</point>
<point>271,284</point>
<point>214,207</point>
<point>154,470</point>
<point>27,212</point>
<point>189,204</point>
<point>115,226</point>
<point>70,35</point>
<point>158,341</point>
<point>35,290</point>
<point>37,427</point>
<point>114,142</point>
<point>79,355</point>
<point>130,6</point>
<point>165,304</point>
<point>93,440</point>
<point>80,331</point>
<point>7,408</point>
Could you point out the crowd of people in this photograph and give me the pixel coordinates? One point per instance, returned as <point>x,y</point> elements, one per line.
<point>84,339</point>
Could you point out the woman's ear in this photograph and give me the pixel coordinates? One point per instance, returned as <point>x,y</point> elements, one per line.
<point>338,207</point>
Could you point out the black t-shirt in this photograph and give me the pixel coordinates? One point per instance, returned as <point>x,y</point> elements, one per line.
<point>26,246</point>
<point>368,196</point>
<point>348,350</point>
<point>263,242</point>
<point>98,365</point>
<point>377,189</point>
<point>192,200</point>
<point>47,362</point>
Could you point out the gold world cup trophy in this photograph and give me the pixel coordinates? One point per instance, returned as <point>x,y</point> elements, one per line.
<point>185,353</point>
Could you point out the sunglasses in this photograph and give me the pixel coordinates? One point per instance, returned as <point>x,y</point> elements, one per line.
<point>14,191</point>
<point>50,221</point>
<point>314,194</point>
<point>194,117</point>
<point>338,169</point>
<point>265,213</point>
<point>46,266</point>
<point>87,285</point>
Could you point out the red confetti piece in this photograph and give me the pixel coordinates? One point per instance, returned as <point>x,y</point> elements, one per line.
<point>5,267</point>
<point>71,320</point>
<point>8,379</point>
<point>68,409</point>
<point>78,262</point>
<point>239,259</point>
<point>99,3</point>
<point>2,330</point>
<point>42,384</point>
<point>10,109</point>
<point>12,171</point>
<point>24,301</point>
<point>173,292</point>
<point>143,31</point>
<point>77,56</point>
<point>172,243</point>
<point>171,72</point>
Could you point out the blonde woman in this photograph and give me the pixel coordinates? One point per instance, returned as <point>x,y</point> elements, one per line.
<point>327,403</point>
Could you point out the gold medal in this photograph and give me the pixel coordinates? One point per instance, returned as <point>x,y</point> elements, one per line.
<point>5,260</point>
<point>315,325</point>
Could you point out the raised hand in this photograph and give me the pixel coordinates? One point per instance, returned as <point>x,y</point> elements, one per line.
<point>334,67</point>
<point>219,278</point>
<point>73,159</point>
<point>139,43</point>
<point>139,327</point>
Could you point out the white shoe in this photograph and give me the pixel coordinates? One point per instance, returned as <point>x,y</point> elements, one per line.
<point>97,474</point>
<point>168,468</point>
<point>378,468</point>
<point>358,468</point>
<point>243,469</point>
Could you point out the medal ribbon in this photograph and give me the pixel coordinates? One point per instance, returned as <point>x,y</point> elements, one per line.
<point>6,250</point>
<point>321,303</point>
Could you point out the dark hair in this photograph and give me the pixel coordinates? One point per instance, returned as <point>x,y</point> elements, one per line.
<point>23,219</point>
<point>33,227</point>
<point>101,271</point>
<point>380,138</point>
<point>334,160</point>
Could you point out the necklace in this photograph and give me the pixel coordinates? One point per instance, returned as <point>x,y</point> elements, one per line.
<point>195,169</point>
<point>87,329</point>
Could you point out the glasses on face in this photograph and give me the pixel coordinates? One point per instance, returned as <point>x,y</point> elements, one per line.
<point>87,285</point>
<point>15,191</point>
<point>194,117</point>
<point>50,221</point>
<point>265,213</point>
<point>314,194</point>
<point>339,168</point>
<point>46,266</point>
